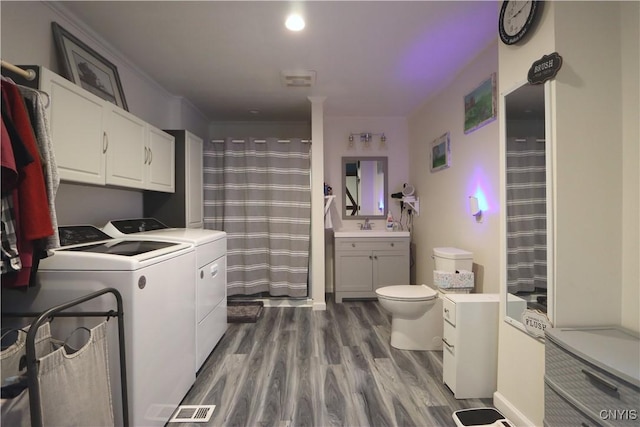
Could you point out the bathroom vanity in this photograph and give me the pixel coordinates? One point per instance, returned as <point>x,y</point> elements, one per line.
<point>366,260</point>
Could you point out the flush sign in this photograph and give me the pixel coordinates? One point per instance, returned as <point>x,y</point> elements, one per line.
<point>535,322</point>
<point>544,68</point>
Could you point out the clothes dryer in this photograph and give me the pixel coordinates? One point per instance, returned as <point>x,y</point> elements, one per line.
<point>155,281</point>
<point>210,277</point>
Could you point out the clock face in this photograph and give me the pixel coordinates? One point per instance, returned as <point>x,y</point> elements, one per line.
<point>516,18</point>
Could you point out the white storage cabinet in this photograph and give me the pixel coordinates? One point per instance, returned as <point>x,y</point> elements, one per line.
<point>363,265</point>
<point>470,350</point>
<point>182,208</point>
<point>96,142</point>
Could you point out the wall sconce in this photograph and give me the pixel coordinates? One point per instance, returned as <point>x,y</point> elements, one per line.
<point>474,208</point>
<point>366,137</point>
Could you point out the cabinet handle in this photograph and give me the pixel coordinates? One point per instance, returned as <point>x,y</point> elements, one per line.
<point>446,310</point>
<point>393,244</point>
<point>353,245</point>
<point>146,155</point>
<point>105,142</point>
<point>370,257</point>
<point>444,340</point>
<point>375,257</point>
<point>597,378</point>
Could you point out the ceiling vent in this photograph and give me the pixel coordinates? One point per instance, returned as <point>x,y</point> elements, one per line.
<point>305,78</point>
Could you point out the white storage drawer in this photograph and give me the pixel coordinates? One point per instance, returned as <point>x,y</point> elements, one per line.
<point>449,311</point>
<point>372,244</point>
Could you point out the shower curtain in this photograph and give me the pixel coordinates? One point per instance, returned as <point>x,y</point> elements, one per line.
<point>258,191</point>
<point>526,217</point>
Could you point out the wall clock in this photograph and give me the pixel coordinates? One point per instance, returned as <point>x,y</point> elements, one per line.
<point>517,19</point>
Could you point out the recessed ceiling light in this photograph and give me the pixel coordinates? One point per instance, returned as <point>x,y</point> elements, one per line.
<point>254,111</point>
<point>294,22</point>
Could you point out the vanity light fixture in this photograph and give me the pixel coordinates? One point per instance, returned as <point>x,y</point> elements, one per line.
<point>366,137</point>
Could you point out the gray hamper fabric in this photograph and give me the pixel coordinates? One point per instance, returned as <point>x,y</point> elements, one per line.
<point>15,412</point>
<point>74,388</point>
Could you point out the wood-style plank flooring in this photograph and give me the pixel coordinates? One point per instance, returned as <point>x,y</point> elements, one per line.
<point>298,367</point>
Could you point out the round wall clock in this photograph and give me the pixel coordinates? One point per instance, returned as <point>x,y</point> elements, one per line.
<point>516,19</point>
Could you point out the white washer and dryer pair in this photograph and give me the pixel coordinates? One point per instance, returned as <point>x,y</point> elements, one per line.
<point>210,275</point>
<point>154,279</point>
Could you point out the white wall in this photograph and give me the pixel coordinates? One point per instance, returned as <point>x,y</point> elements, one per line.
<point>630,49</point>
<point>444,211</point>
<point>260,129</point>
<point>596,272</point>
<point>26,38</point>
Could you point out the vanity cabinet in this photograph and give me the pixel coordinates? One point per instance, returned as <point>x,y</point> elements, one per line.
<point>96,142</point>
<point>470,350</point>
<point>182,208</point>
<point>592,377</point>
<point>364,264</point>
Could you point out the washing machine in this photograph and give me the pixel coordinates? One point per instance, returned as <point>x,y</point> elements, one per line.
<point>154,278</point>
<point>210,277</point>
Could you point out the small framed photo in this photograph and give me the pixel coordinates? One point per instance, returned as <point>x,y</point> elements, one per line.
<point>87,68</point>
<point>480,105</point>
<point>441,153</point>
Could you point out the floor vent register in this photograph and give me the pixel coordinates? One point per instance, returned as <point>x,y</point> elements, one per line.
<point>192,414</point>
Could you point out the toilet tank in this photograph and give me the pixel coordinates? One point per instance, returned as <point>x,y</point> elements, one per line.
<point>452,259</point>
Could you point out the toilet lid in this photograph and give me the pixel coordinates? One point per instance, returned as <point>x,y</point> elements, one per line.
<point>407,292</point>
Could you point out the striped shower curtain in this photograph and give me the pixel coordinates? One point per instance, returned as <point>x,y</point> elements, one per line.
<point>258,191</point>
<point>526,216</point>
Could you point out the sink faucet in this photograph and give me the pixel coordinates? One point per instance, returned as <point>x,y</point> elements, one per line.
<point>366,225</point>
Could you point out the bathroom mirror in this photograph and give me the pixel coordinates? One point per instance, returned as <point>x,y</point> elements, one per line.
<point>364,186</point>
<point>527,198</point>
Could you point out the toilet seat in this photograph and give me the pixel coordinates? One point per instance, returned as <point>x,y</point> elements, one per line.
<point>407,293</point>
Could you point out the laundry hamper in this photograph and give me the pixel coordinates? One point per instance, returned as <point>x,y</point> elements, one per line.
<point>74,388</point>
<point>63,387</point>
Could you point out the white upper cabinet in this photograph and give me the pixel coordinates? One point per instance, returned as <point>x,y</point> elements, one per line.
<point>160,162</point>
<point>77,120</point>
<point>126,149</point>
<point>96,142</point>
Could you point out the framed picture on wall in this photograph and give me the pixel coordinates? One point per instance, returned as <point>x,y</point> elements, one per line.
<point>87,68</point>
<point>480,105</point>
<point>441,153</point>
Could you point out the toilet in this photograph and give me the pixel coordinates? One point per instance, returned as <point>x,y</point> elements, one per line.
<point>416,310</point>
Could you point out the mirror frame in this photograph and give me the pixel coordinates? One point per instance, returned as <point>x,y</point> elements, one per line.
<point>385,167</point>
<point>549,90</point>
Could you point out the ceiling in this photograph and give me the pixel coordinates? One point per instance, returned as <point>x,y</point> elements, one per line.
<point>371,58</point>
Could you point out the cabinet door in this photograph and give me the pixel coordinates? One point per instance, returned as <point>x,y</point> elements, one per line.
<point>390,268</point>
<point>160,161</point>
<point>193,181</point>
<point>353,271</point>
<point>77,123</point>
<point>126,151</point>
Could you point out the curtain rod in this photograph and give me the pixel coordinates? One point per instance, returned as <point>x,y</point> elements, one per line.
<point>259,141</point>
<point>27,74</point>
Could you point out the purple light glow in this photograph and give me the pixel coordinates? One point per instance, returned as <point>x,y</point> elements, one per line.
<point>479,187</point>
<point>445,46</point>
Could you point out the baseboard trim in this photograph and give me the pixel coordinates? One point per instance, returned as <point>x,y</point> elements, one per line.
<point>511,412</point>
